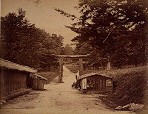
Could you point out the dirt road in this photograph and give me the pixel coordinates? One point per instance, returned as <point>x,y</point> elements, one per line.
<point>58,98</point>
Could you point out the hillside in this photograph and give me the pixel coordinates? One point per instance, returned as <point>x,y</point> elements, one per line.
<point>130,85</point>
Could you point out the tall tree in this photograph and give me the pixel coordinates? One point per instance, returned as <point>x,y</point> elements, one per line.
<point>112,27</point>
<point>68,49</point>
<point>25,44</point>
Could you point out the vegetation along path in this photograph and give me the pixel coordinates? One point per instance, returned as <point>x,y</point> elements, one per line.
<point>58,98</point>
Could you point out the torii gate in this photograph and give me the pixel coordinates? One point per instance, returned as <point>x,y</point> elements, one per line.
<point>61,57</point>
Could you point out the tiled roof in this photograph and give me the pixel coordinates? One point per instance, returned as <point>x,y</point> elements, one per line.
<point>10,65</point>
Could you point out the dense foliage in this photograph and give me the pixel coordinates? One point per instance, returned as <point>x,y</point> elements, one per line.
<point>23,43</point>
<point>114,28</point>
<point>68,50</point>
<point>130,87</point>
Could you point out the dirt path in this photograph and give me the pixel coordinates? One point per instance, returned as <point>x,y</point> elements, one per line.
<point>58,98</point>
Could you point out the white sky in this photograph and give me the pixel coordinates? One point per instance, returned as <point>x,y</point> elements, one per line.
<point>44,16</point>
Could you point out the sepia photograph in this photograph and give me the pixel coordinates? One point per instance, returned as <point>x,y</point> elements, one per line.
<point>74,57</point>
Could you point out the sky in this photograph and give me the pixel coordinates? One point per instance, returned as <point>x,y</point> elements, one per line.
<point>44,16</point>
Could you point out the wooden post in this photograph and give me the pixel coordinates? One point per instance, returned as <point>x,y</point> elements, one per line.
<point>80,66</point>
<point>2,87</point>
<point>108,63</point>
<point>104,84</point>
<point>61,70</point>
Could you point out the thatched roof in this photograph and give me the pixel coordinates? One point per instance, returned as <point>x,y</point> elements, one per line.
<point>41,77</point>
<point>93,74</point>
<point>10,65</point>
<point>72,56</point>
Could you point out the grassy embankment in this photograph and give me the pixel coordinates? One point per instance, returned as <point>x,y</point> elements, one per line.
<point>130,85</point>
<point>50,75</point>
<point>72,67</point>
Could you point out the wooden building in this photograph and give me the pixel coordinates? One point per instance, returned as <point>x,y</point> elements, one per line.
<point>14,79</point>
<point>94,82</point>
<point>38,82</point>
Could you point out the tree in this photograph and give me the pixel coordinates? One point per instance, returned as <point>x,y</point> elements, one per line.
<point>25,44</point>
<point>16,37</point>
<point>112,27</point>
<point>68,49</point>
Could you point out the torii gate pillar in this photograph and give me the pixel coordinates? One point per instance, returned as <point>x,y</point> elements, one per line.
<point>61,70</point>
<point>80,66</point>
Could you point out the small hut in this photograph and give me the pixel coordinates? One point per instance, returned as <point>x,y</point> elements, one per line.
<point>94,82</point>
<point>38,82</point>
<point>14,79</point>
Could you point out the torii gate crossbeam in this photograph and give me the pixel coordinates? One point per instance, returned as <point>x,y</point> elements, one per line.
<point>61,58</point>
